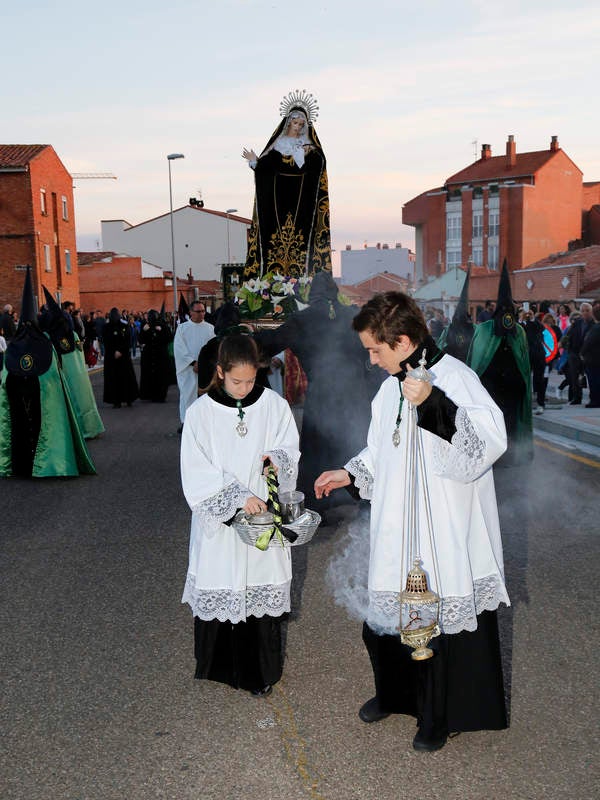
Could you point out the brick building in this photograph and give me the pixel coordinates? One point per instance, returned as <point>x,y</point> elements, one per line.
<point>128,282</point>
<point>518,206</point>
<point>359,293</point>
<point>37,224</point>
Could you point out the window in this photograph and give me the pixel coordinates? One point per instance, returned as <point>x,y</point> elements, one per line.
<point>452,258</point>
<point>47,260</point>
<point>43,202</point>
<point>453,227</point>
<point>477,224</point>
<point>65,209</point>
<point>68,266</point>
<point>478,256</point>
<point>492,256</point>
<point>494,223</point>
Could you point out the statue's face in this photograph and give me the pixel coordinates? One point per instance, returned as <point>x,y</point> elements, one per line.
<point>295,127</point>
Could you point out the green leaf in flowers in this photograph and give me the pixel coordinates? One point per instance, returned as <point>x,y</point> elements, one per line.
<point>254,301</point>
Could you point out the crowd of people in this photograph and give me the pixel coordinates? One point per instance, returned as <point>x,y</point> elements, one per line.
<point>555,334</point>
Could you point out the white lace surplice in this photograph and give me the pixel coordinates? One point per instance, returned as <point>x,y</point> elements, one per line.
<point>460,487</point>
<point>226,579</point>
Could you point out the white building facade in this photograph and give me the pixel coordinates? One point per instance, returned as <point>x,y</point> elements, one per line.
<point>357,265</point>
<point>204,240</point>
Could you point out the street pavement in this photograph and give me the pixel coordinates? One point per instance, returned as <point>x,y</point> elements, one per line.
<point>99,697</point>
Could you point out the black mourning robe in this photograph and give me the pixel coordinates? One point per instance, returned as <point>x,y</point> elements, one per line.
<point>341,384</point>
<point>120,383</point>
<point>155,362</point>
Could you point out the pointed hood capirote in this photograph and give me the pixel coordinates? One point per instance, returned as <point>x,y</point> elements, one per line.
<point>460,331</point>
<point>504,316</point>
<point>28,312</point>
<point>184,310</point>
<point>324,289</point>
<point>29,352</point>
<point>58,324</point>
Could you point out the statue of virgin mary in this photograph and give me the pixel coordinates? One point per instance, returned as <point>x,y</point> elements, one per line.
<point>290,222</point>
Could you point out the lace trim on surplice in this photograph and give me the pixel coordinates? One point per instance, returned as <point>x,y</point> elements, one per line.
<point>363,479</point>
<point>456,614</point>
<point>463,457</point>
<point>236,606</point>
<point>221,506</point>
<point>287,469</point>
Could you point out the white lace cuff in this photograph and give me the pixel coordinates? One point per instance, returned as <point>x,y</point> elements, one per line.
<point>456,613</point>
<point>463,458</point>
<point>287,469</point>
<point>363,479</point>
<point>236,606</point>
<point>221,506</point>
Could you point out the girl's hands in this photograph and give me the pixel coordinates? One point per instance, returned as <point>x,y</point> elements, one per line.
<point>254,505</point>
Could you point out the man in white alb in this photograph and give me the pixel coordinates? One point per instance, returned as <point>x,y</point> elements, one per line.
<point>190,338</point>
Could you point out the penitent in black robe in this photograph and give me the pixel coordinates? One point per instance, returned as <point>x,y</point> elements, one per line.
<point>120,383</point>
<point>155,362</point>
<point>341,385</point>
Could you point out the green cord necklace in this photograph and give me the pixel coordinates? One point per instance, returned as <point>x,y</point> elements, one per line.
<point>396,433</point>
<point>241,427</point>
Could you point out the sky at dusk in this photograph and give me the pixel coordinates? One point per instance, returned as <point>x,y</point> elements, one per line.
<point>407,96</point>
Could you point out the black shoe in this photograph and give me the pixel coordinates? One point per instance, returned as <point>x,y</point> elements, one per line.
<point>592,405</point>
<point>264,692</point>
<point>575,403</point>
<point>421,742</point>
<point>371,712</point>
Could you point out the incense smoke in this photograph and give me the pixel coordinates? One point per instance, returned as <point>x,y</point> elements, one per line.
<point>348,570</point>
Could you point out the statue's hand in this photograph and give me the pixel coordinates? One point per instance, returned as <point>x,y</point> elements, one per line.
<point>250,155</point>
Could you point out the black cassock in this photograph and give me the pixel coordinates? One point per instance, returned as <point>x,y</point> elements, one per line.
<point>155,362</point>
<point>341,384</point>
<point>120,384</point>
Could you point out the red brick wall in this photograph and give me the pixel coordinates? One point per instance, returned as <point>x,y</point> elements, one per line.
<point>552,215</point>
<point>119,283</point>
<point>21,219</point>
<point>17,243</point>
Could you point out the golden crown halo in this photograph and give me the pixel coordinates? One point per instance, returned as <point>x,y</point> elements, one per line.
<point>300,99</point>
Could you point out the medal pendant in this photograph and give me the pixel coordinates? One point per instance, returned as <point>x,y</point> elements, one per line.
<point>396,437</point>
<point>241,428</point>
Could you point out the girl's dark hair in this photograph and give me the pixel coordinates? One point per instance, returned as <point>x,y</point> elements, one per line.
<point>234,350</point>
<point>390,315</point>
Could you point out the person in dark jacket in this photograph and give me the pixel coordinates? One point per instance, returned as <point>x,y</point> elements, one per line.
<point>120,383</point>
<point>576,335</point>
<point>534,331</point>
<point>590,355</point>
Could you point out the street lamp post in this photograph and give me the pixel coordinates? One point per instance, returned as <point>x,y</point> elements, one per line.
<point>170,158</point>
<point>228,212</point>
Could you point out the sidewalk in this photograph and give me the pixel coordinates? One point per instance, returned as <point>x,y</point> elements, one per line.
<point>579,425</point>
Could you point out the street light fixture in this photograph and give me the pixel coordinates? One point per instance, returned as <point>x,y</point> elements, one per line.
<point>170,158</point>
<point>228,212</point>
